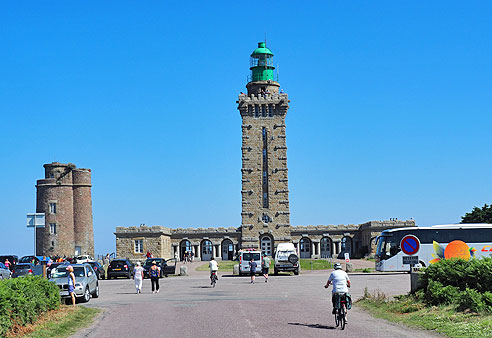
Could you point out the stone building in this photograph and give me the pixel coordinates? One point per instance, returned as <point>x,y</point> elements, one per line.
<point>265,215</point>
<point>64,195</point>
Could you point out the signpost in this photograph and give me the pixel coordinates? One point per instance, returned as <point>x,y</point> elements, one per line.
<point>410,245</point>
<point>35,220</point>
<point>347,257</point>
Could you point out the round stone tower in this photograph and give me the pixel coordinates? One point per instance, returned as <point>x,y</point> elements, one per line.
<point>64,196</point>
<point>55,199</point>
<point>82,210</point>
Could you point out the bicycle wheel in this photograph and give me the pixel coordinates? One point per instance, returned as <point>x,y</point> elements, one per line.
<point>337,318</point>
<point>342,317</point>
<point>214,280</point>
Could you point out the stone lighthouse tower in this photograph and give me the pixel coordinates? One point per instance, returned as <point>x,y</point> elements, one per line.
<point>265,192</point>
<point>64,195</point>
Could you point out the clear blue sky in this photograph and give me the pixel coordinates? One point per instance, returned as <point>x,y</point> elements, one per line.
<point>391,108</point>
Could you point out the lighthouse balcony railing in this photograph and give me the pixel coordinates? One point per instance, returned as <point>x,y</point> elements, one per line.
<point>261,77</point>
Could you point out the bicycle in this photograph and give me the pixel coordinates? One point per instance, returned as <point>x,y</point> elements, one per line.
<point>214,278</point>
<point>341,312</point>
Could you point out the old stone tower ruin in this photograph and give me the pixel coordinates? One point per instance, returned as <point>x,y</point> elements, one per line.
<point>265,191</point>
<point>64,195</point>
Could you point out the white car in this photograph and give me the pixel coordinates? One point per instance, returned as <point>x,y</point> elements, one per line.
<point>286,259</point>
<point>84,259</point>
<point>4,272</point>
<point>244,259</point>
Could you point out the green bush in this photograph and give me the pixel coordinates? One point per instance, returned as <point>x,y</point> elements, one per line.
<point>471,299</point>
<point>439,294</point>
<point>23,299</point>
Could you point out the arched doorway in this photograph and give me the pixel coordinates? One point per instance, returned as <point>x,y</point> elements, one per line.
<point>305,248</point>
<point>227,250</point>
<point>325,247</point>
<point>266,245</point>
<point>184,246</point>
<point>347,245</point>
<point>206,250</point>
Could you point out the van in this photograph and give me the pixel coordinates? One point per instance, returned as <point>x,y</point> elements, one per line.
<point>244,259</point>
<point>286,259</point>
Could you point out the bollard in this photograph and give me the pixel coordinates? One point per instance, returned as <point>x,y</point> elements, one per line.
<point>235,270</point>
<point>183,270</point>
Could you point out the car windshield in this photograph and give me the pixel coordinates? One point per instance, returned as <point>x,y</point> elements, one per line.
<point>248,255</point>
<point>27,259</point>
<point>61,272</point>
<point>284,255</point>
<point>118,264</point>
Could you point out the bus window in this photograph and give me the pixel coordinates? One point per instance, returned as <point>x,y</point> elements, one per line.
<point>388,247</point>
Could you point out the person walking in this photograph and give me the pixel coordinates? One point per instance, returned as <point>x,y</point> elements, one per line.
<point>7,264</point>
<point>71,283</point>
<point>154,273</point>
<point>138,276</point>
<point>252,270</point>
<point>265,266</point>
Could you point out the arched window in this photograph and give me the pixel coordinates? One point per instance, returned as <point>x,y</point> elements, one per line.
<point>207,252</point>
<point>185,246</point>
<point>305,248</point>
<point>325,247</point>
<point>266,245</point>
<point>227,250</point>
<point>347,245</point>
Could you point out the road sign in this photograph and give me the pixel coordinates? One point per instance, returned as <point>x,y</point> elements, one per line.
<point>412,260</point>
<point>410,245</point>
<point>347,257</point>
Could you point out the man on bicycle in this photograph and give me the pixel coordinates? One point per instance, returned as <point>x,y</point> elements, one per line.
<point>341,283</point>
<point>214,267</point>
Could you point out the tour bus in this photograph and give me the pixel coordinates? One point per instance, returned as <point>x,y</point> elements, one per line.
<point>427,245</point>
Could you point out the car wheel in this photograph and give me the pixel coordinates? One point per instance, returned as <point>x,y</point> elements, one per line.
<point>275,272</point>
<point>129,276</point>
<point>96,292</point>
<point>296,272</point>
<point>87,295</point>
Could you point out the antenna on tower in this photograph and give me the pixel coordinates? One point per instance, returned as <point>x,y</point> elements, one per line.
<point>265,39</point>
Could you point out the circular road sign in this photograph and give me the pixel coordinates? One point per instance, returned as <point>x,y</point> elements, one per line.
<point>410,244</point>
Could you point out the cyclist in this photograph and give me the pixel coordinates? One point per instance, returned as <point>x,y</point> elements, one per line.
<point>341,283</point>
<point>214,267</point>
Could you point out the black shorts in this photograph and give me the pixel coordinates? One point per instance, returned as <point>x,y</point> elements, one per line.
<point>264,271</point>
<point>252,272</point>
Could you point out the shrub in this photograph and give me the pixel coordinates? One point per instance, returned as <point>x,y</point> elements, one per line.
<point>439,294</point>
<point>23,299</point>
<point>471,299</point>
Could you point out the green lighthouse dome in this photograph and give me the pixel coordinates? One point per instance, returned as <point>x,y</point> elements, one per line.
<point>261,64</point>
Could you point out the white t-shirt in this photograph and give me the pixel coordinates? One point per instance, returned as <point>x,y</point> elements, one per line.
<point>339,280</point>
<point>137,272</point>
<point>214,266</point>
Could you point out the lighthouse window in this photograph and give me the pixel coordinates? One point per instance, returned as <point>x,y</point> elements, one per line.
<point>265,200</point>
<point>52,208</point>
<point>263,110</point>
<point>138,246</point>
<point>53,228</point>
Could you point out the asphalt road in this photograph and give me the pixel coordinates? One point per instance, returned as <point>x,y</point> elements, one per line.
<point>286,306</point>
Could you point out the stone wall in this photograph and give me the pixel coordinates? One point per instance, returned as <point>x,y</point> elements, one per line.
<point>155,239</point>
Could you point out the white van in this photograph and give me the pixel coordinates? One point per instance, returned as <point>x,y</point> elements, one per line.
<point>286,259</point>
<point>244,259</point>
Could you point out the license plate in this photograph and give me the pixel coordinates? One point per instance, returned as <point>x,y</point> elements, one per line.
<point>116,269</point>
<point>63,293</point>
<point>285,266</point>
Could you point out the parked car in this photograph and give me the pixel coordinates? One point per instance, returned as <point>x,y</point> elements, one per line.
<point>4,272</point>
<point>83,259</point>
<point>286,259</point>
<point>13,259</point>
<point>167,267</point>
<point>99,269</point>
<point>245,256</point>
<point>86,284</point>
<point>29,259</point>
<point>120,267</point>
<point>26,269</point>
<point>52,266</point>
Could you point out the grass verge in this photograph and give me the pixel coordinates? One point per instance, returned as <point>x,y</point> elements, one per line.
<point>59,323</point>
<point>442,319</point>
<point>224,266</point>
<point>315,264</point>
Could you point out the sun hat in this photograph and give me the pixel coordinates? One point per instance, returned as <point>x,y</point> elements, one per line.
<point>138,263</point>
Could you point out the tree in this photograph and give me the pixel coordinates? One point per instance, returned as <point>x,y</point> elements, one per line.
<point>478,215</point>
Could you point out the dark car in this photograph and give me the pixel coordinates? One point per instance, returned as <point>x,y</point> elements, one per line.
<point>120,267</point>
<point>26,269</point>
<point>167,267</point>
<point>13,259</point>
<point>99,269</point>
<point>29,259</point>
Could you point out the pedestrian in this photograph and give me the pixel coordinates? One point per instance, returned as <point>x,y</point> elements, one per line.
<point>175,256</point>
<point>252,270</point>
<point>154,273</point>
<point>7,264</point>
<point>138,276</point>
<point>71,283</point>
<point>265,265</point>
<point>192,255</point>
<point>148,254</point>
<point>185,257</point>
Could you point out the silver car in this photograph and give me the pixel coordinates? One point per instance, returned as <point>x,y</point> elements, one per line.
<point>4,272</point>
<point>86,284</point>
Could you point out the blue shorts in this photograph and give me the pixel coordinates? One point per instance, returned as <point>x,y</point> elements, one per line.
<point>71,289</point>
